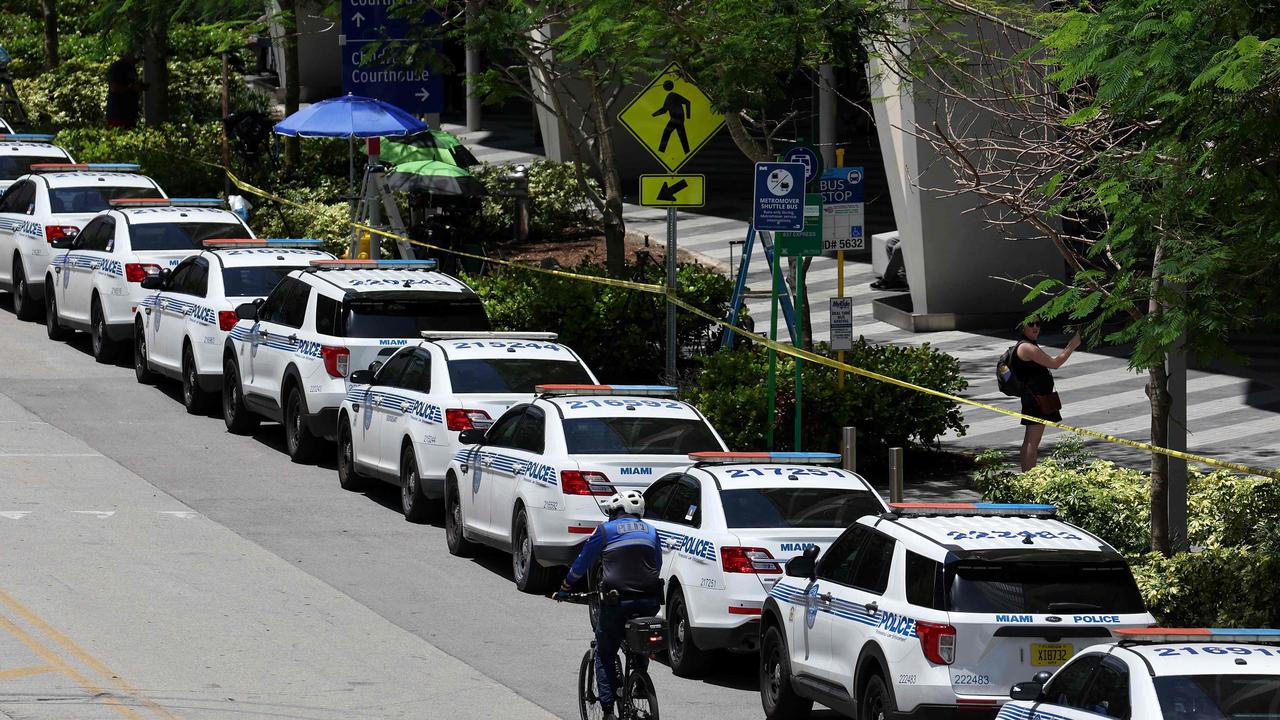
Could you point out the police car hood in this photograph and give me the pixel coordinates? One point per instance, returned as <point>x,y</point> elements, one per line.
<point>783,544</point>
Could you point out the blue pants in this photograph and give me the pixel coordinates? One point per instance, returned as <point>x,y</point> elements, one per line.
<point>609,634</point>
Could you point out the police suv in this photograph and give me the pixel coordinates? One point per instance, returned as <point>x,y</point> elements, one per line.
<point>288,357</point>
<point>401,421</point>
<point>727,524</point>
<point>1160,674</point>
<point>19,151</point>
<point>934,609</point>
<point>181,327</point>
<point>97,284</point>
<point>42,212</point>
<point>531,484</point>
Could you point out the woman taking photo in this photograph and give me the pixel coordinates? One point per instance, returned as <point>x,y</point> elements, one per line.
<point>1031,366</point>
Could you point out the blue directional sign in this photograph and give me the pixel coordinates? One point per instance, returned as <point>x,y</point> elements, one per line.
<point>369,65</point>
<point>809,157</point>
<point>779,197</point>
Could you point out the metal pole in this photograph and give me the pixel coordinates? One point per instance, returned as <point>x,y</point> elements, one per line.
<point>1178,441</point>
<point>473,71</point>
<point>849,448</point>
<point>895,474</point>
<point>826,112</point>
<point>799,342</point>
<point>839,276</point>
<point>775,273</point>
<point>671,289</point>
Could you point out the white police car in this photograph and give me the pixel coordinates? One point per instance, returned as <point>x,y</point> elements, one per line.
<point>532,483</point>
<point>42,212</point>
<point>19,151</point>
<point>727,524</point>
<point>401,422</point>
<point>97,284</point>
<point>181,327</point>
<point>1161,674</point>
<point>934,609</point>
<point>288,357</point>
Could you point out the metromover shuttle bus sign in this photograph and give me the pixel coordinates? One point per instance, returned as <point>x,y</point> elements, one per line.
<point>370,32</point>
<point>779,197</point>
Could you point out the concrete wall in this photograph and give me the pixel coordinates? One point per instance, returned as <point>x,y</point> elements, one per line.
<point>319,54</point>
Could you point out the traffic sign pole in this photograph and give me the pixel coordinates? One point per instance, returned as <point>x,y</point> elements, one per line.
<point>775,272</point>
<point>801,306</point>
<point>671,289</point>
<point>839,269</point>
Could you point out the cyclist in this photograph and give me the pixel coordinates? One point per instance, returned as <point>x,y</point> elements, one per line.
<point>632,558</point>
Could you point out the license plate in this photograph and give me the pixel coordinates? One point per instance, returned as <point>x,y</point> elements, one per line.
<point>1051,654</point>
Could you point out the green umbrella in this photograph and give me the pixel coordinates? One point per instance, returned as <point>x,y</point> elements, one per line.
<point>429,145</point>
<point>435,177</point>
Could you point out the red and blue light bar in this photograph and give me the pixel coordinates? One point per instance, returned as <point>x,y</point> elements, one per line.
<point>790,458</point>
<point>26,137</point>
<point>166,202</point>
<point>345,264</point>
<point>226,243</point>
<point>1159,634</point>
<point>92,167</point>
<point>971,508</point>
<point>638,390</point>
<point>197,202</point>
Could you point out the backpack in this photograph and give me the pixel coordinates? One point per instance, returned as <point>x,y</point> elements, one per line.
<point>1008,382</point>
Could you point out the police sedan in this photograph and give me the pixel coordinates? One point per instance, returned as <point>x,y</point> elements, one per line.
<point>19,151</point>
<point>727,524</point>
<point>1161,674</point>
<point>532,483</point>
<point>181,326</point>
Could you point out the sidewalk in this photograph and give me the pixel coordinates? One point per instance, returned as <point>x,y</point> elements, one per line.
<point>1233,416</point>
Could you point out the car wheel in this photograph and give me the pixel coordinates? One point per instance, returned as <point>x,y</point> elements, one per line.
<point>141,368</point>
<point>687,659</point>
<point>298,439</point>
<point>24,305</point>
<point>415,505</point>
<point>52,327</point>
<point>195,399</point>
<point>876,703</point>
<point>348,477</point>
<point>530,576</point>
<point>458,544</point>
<point>104,348</point>
<point>779,699</point>
<point>237,417</point>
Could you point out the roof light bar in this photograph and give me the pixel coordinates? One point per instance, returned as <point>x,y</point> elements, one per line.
<point>26,137</point>
<point>789,458</point>
<point>344,264</point>
<point>639,390</point>
<point>1161,635</point>
<point>995,509</point>
<point>95,167</point>
<point>197,202</point>
<point>494,335</point>
<point>139,202</point>
<point>262,243</point>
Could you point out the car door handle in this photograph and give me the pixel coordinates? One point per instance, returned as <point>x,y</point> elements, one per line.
<point>406,407</point>
<point>264,334</point>
<point>293,337</point>
<point>825,597</point>
<point>872,607</point>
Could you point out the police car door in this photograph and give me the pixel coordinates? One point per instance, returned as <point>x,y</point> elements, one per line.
<point>169,317</point>
<point>835,609</point>
<point>16,206</point>
<point>277,337</point>
<point>390,412</point>
<point>656,497</point>
<point>494,464</point>
<point>79,272</point>
<point>1090,687</point>
<point>858,607</point>
<point>528,443</point>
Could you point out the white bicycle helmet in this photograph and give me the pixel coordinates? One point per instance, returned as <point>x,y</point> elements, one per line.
<point>630,502</point>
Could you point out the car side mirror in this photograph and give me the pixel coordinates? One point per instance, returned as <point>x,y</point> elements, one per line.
<point>1042,677</point>
<point>63,243</point>
<point>247,311</point>
<point>375,366</point>
<point>471,437</point>
<point>153,282</point>
<point>1027,691</point>
<point>804,565</point>
<point>362,377</point>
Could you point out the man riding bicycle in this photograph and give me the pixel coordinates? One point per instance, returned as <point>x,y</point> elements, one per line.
<point>631,556</point>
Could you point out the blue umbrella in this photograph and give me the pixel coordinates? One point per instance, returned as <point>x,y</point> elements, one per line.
<point>350,116</point>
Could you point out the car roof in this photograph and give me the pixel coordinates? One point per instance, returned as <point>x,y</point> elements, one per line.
<point>977,535</point>
<point>487,348</point>
<point>146,215</point>
<point>780,474</point>
<point>80,178</point>
<point>253,257</point>
<point>572,407</point>
<point>386,279</point>
<point>26,148</point>
<point>1261,660</point>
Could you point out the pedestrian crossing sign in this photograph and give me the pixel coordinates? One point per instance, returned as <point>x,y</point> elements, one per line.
<point>671,118</point>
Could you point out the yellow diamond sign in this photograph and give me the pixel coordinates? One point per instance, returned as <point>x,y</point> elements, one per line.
<point>671,118</point>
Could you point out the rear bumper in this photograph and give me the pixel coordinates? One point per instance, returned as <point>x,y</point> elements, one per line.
<point>558,554</point>
<point>947,712</point>
<point>120,332</point>
<point>210,383</point>
<point>324,423</point>
<point>743,637</point>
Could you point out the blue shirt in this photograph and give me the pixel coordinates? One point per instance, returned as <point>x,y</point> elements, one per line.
<point>630,553</point>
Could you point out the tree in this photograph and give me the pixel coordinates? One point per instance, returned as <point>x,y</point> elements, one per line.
<point>292,83</point>
<point>50,12</point>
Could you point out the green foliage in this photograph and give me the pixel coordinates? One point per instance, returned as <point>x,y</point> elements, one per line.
<point>619,332</point>
<point>75,94</point>
<point>558,205</point>
<point>1219,587</point>
<point>169,154</point>
<point>319,218</point>
<point>731,391</point>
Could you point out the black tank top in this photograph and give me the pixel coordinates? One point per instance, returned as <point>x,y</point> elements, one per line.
<point>1036,377</point>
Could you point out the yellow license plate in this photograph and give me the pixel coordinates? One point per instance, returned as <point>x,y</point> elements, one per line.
<point>1051,654</point>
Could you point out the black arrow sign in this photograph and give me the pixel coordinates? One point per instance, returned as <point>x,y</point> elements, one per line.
<point>668,192</point>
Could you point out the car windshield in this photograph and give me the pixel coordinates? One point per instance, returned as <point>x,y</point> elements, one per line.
<point>1219,697</point>
<point>1042,587</point>
<point>179,235</point>
<point>14,166</point>
<point>781,507</point>
<point>253,281</point>
<point>513,375</point>
<point>409,318</point>
<point>94,198</point>
<point>637,436</point>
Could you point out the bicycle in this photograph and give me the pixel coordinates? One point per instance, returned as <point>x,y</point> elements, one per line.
<point>636,699</point>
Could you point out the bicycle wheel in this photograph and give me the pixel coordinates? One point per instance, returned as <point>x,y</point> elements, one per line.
<point>588,704</point>
<point>642,699</point>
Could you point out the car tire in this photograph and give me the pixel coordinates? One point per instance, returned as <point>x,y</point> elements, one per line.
<point>298,440</point>
<point>195,399</point>
<point>24,303</point>
<point>877,703</point>
<point>687,659</point>
<point>779,698</point>
<point>104,348</point>
<point>141,366</point>
<point>459,545</point>
<point>237,417</point>
<point>530,576</point>
<point>348,477</point>
<point>417,508</point>
<point>52,327</point>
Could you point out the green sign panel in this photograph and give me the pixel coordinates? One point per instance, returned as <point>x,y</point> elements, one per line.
<point>808,241</point>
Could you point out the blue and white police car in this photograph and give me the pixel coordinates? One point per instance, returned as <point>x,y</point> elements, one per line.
<point>531,484</point>
<point>181,327</point>
<point>287,358</point>
<point>934,610</point>
<point>401,421</point>
<point>41,213</point>
<point>19,151</point>
<point>96,285</point>
<point>1160,674</point>
<point>728,523</point>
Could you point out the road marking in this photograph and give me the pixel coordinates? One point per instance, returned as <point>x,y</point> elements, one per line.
<point>184,514</point>
<point>96,513</point>
<point>14,514</point>
<point>26,671</point>
<point>9,455</point>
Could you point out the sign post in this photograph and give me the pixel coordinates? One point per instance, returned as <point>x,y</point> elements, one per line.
<point>843,196</point>
<point>368,33</point>
<point>806,243</point>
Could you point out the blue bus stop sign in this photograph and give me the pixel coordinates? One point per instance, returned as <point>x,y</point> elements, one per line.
<point>779,197</point>
<point>369,64</point>
<point>811,160</point>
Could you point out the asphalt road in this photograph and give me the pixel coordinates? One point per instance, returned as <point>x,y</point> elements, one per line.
<point>156,566</point>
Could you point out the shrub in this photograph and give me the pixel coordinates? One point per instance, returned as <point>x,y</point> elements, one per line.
<point>620,333</point>
<point>557,203</point>
<point>731,390</point>
<point>318,218</point>
<point>169,154</point>
<point>1218,587</point>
